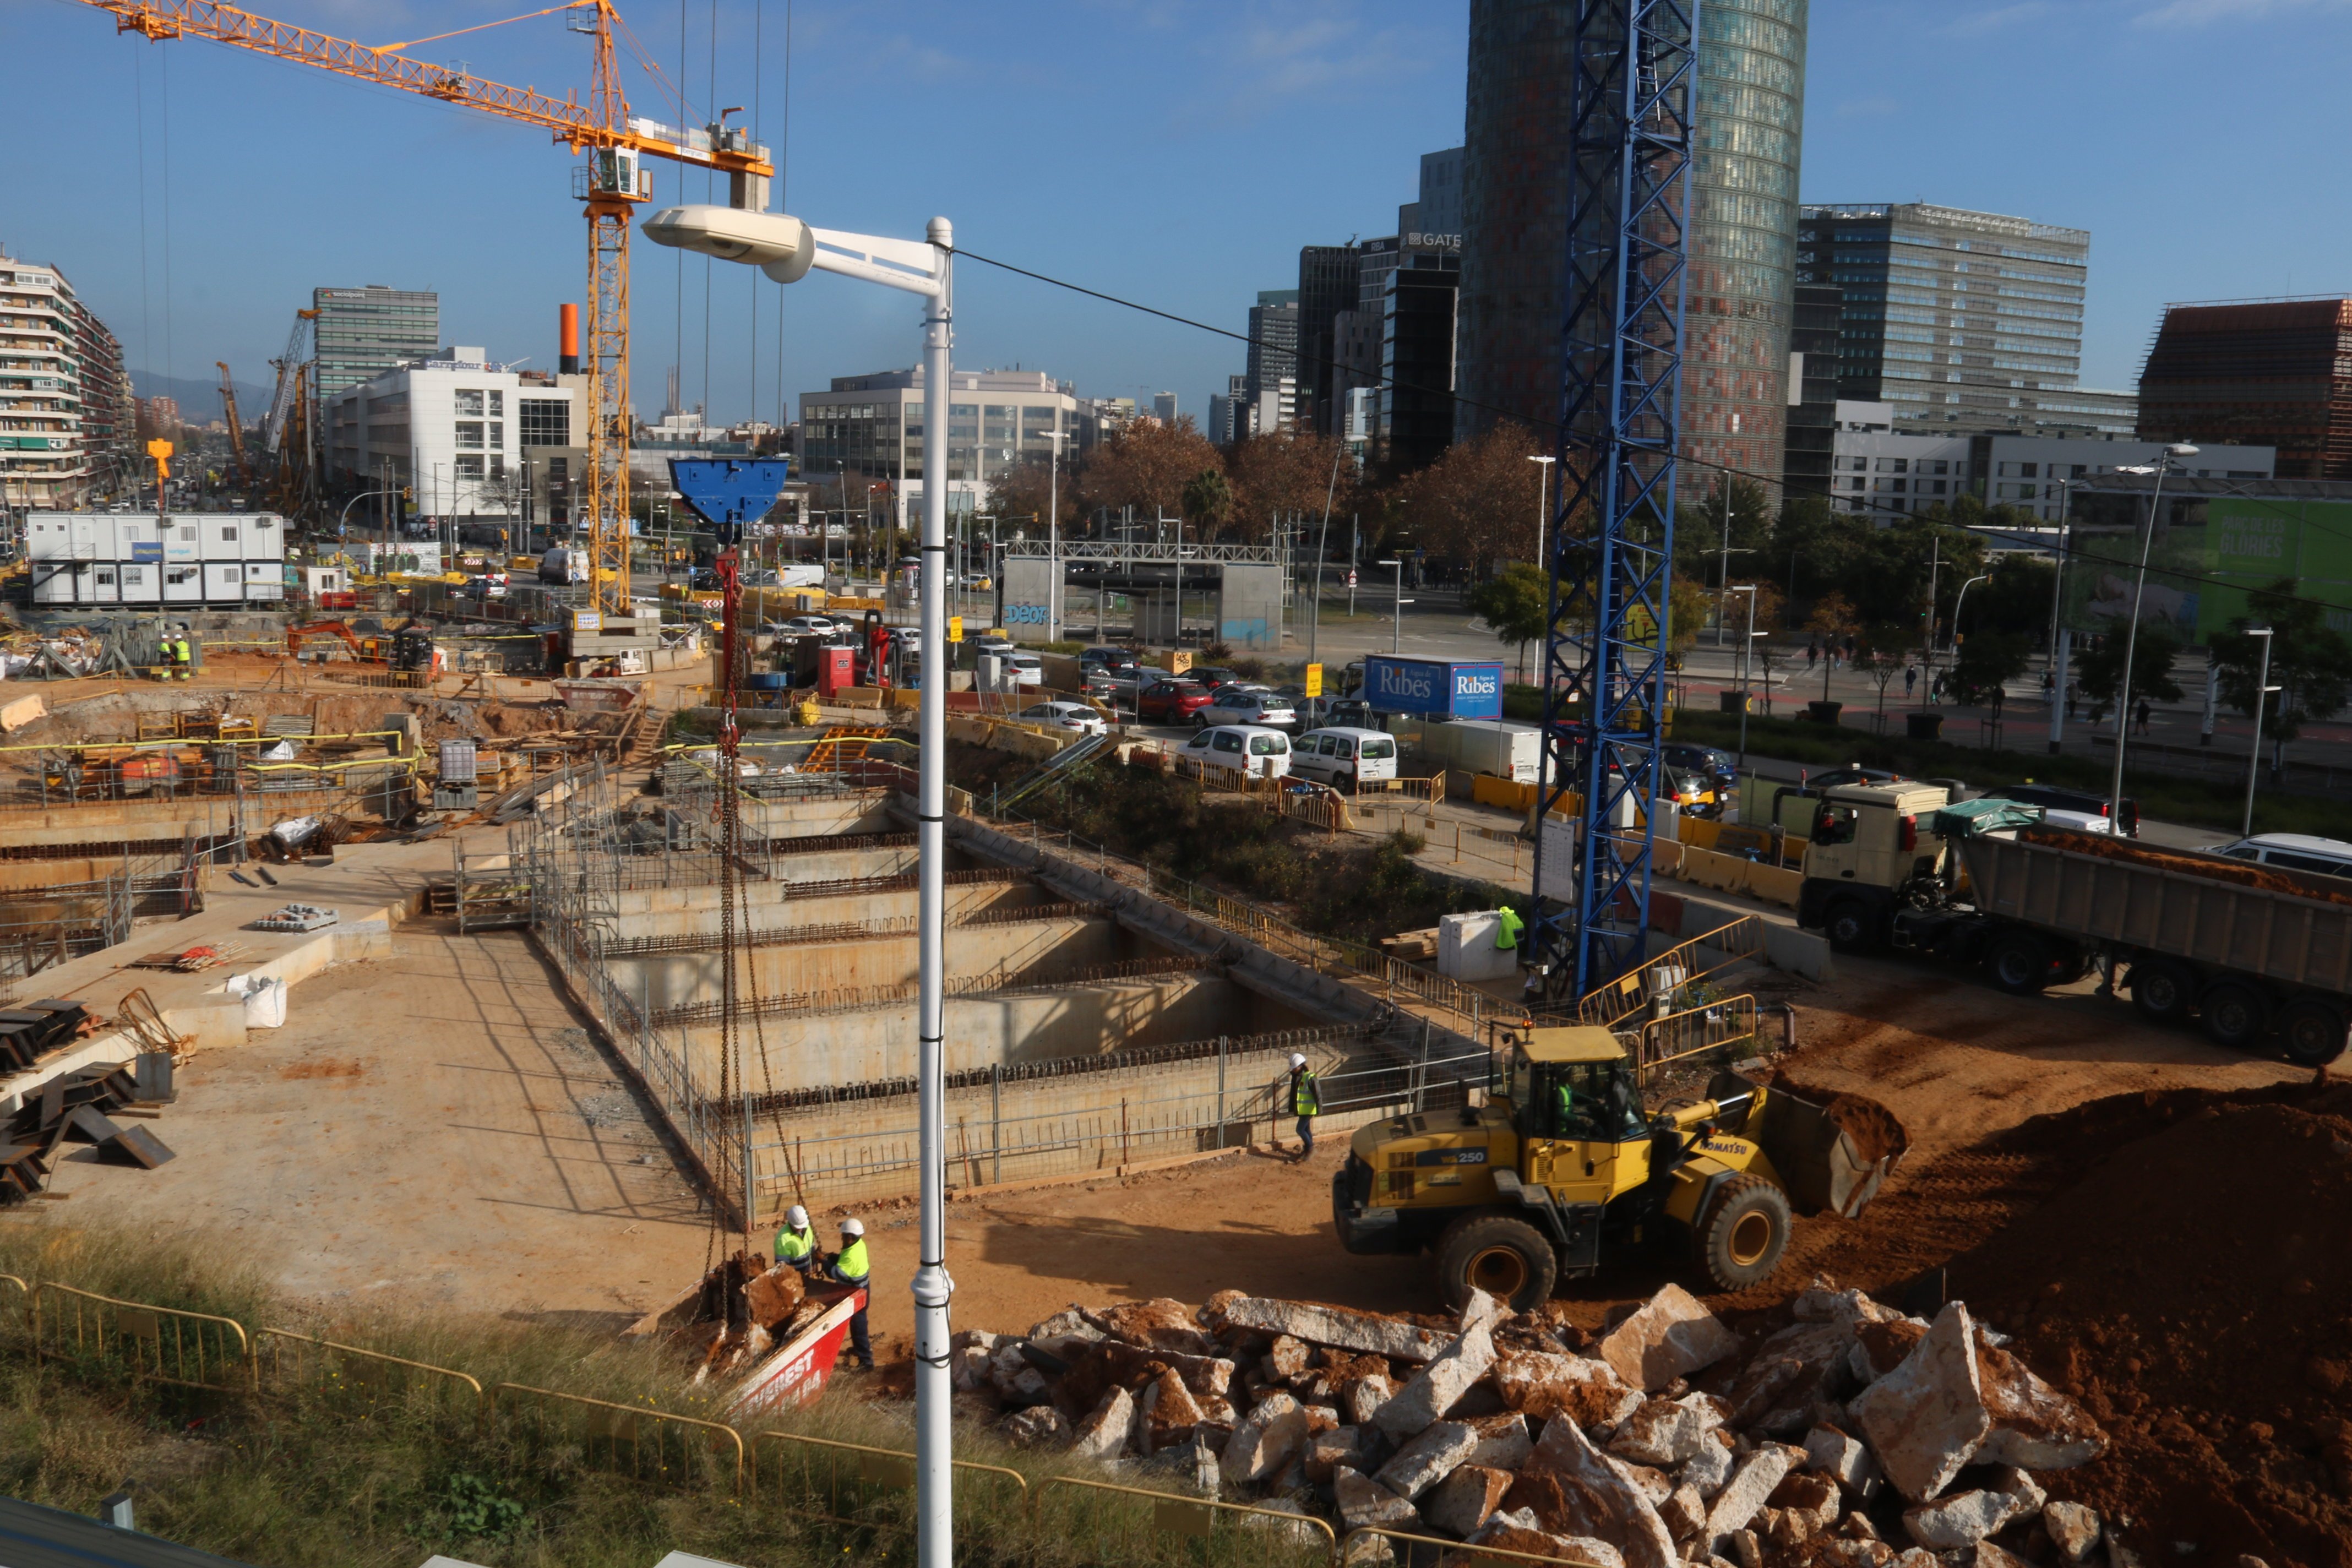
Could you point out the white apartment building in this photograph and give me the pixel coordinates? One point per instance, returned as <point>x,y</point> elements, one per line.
<point>1886,473</point>
<point>870,429</point>
<point>64,404</point>
<point>450,430</point>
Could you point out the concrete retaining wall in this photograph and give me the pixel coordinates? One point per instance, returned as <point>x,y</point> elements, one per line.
<point>865,812</point>
<point>1785,946</point>
<point>786,914</point>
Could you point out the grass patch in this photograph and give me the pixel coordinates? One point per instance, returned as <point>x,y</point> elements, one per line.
<point>332,1477</point>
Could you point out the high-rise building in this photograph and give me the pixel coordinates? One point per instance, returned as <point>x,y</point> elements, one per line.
<point>1960,321</point>
<point>1416,395</point>
<point>1327,281</point>
<point>363,333</point>
<point>1164,407</point>
<point>1748,128</point>
<point>1273,349</point>
<point>1812,390</point>
<point>66,420</point>
<point>1225,411</point>
<point>1431,223</point>
<point>2267,371</point>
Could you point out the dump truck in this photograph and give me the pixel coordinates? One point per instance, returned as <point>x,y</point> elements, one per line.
<point>1560,1168</point>
<point>2253,952</point>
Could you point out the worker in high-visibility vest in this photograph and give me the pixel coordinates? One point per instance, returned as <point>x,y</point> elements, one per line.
<point>167,657</point>
<point>850,1266</point>
<point>795,1243</point>
<point>1305,1102</point>
<point>1508,926</point>
<point>183,658</point>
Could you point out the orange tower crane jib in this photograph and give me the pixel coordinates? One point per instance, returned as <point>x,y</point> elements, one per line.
<point>609,185</point>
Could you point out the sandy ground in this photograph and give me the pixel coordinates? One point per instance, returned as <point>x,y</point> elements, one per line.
<point>438,1131</point>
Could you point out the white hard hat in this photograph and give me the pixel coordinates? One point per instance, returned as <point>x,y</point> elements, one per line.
<point>1296,1061</point>
<point>797,1217</point>
<point>853,1227</point>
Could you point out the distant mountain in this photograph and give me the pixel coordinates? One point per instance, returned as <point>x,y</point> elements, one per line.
<point>200,400</point>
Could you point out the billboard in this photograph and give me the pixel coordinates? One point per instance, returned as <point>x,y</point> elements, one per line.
<point>2206,560</point>
<point>1452,688</point>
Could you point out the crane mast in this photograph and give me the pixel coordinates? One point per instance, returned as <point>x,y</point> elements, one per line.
<point>236,427</point>
<point>609,185</point>
<point>1634,86</point>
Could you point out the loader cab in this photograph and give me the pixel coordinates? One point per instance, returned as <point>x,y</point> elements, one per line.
<point>1579,1116</point>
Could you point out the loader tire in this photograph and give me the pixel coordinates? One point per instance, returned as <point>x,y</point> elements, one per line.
<point>1507,1259</point>
<point>2310,1033</point>
<point>1741,1239</point>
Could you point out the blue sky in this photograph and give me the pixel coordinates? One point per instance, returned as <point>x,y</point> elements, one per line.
<point>1178,152</point>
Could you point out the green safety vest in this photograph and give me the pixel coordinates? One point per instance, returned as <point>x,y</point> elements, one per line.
<point>1567,1104</point>
<point>850,1266</point>
<point>1508,926</point>
<point>794,1245</point>
<point>1304,1101</point>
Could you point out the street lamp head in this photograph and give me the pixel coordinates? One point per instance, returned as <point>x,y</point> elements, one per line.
<point>2180,450</point>
<point>1546,461</point>
<point>781,247</point>
<point>2135,468</point>
<point>1743,587</point>
<point>2258,631</point>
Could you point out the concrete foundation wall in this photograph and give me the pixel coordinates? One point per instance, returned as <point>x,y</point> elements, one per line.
<point>787,914</point>
<point>878,1044</point>
<point>865,812</point>
<point>675,980</point>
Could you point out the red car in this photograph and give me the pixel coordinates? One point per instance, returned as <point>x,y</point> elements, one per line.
<point>1171,701</point>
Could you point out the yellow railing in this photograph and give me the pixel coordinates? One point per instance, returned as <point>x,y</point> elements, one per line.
<point>1695,1030</point>
<point>285,1362</point>
<point>1131,1535</point>
<point>859,1487</point>
<point>160,1344</point>
<point>1617,1001</point>
<point>637,1441</point>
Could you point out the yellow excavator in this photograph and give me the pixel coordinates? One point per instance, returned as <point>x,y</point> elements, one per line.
<point>1560,1167</point>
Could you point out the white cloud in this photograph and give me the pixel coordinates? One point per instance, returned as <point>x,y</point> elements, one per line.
<point>2197,12</point>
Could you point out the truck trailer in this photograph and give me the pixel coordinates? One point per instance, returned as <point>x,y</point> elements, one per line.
<point>2251,950</point>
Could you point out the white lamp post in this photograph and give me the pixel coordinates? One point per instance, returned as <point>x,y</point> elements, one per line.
<point>2161,467</point>
<point>1396,631</point>
<point>2262,689</point>
<point>786,249</point>
<point>1543,515</point>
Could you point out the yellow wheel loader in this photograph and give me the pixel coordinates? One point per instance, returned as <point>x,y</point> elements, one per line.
<point>1560,1167</point>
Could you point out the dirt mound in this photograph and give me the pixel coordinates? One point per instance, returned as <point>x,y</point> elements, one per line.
<point>2187,1279</point>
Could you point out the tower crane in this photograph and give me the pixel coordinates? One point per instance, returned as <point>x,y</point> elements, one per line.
<point>609,185</point>
<point>236,427</point>
<point>285,429</point>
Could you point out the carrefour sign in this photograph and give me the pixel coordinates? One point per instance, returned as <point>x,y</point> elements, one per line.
<point>1456,689</point>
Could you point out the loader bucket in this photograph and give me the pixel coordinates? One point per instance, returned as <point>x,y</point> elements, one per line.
<point>1832,1152</point>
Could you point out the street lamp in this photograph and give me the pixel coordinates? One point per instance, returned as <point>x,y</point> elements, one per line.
<point>1748,589</point>
<point>2057,597</point>
<point>1957,600</point>
<point>1054,541</point>
<point>1543,516</point>
<point>1396,633</point>
<point>2262,689</point>
<point>786,249</point>
<point>2161,467</point>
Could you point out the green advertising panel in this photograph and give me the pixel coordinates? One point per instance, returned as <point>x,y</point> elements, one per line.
<point>2204,563</point>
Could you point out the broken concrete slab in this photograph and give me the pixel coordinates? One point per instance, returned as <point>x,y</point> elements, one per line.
<point>2033,1426</point>
<point>1926,1418</point>
<point>1365,1331</point>
<point>1166,1415</point>
<point>1466,1498</point>
<point>1038,1427</point>
<point>1671,1335</point>
<point>1157,1325</point>
<point>1960,1520</point>
<point>1684,1513</point>
<point>1504,1441</point>
<point>1362,1398</point>
<point>1481,1312</point>
<point>1365,1504</point>
<point>1518,1531</point>
<point>1269,1436</point>
<point>2072,1528</point>
<point>1843,1460</point>
<point>1356,1447</point>
<point>1544,1386</point>
<point>1428,1459</point>
<point>1709,1468</point>
<point>1788,1375</point>
<point>1663,1432</point>
<point>1435,1389</point>
<point>1102,1433</point>
<point>1752,1481</point>
<point>1576,1489</point>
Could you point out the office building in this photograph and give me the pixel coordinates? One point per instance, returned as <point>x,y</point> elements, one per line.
<point>1328,283</point>
<point>2277,372</point>
<point>1164,407</point>
<point>1225,412</point>
<point>1961,321</point>
<point>450,428</point>
<point>363,333</point>
<point>1416,394</point>
<point>1274,352</point>
<point>1812,391</point>
<point>871,427</point>
<point>1747,124</point>
<point>1431,223</point>
<point>1883,467</point>
<point>67,419</point>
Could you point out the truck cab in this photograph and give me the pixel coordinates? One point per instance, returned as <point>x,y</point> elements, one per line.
<point>1869,843</point>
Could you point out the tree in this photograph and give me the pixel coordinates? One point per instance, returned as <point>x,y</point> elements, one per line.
<point>1515,604</point>
<point>1477,502</point>
<point>1991,659</point>
<point>1207,501</point>
<point>1833,619</point>
<point>2098,669</point>
<point>1027,490</point>
<point>1289,472</point>
<point>1145,466</point>
<point>1698,532</point>
<point>2310,661</point>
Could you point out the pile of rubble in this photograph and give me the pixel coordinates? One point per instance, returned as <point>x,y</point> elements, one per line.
<point>1852,1436</point>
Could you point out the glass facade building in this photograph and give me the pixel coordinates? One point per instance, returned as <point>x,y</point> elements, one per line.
<point>363,332</point>
<point>1748,136</point>
<point>1957,320</point>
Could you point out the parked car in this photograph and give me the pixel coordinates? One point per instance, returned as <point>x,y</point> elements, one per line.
<point>2291,852</point>
<point>1245,705</point>
<point>2077,808</point>
<point>1851,774</point>
<point>1244,748</point>
<point>1350,712</point>
<point>1109,657</point>
<point>1707,759</point>
<point>1171,701</point>
<point>1074,716</point>
<point>1344,758</point>
<point>809,626</point>
<point>1212,676</point>
<point>1027,668</point>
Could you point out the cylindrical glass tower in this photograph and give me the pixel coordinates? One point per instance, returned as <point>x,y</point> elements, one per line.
<point>1750,127</point>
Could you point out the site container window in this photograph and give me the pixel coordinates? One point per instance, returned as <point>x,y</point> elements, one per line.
<point>228,533</point>
<point>469,401</point>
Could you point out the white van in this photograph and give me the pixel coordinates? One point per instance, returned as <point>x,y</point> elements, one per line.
<point>2293,852</point>
<point>1242,749</point>
<point>1344,757</point>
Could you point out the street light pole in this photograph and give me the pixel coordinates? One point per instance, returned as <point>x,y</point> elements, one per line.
<point>1960,599</point>
<point>1543,514</point>
<point>1748,589</point>
<point>2058,636</point>
<point>1396,632</point>
<point>2131,638</point>
<point>2262,689</point>
<point>1723,573</point>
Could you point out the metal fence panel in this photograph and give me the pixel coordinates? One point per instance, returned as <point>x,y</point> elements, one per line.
<point>1130,1525</point>
<point>158,1345</point>
<point>640,1442</point>
<point>868,1492</point>
<point>288,1362</point>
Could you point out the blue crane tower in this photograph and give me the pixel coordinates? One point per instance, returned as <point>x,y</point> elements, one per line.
<point>1633,67</point>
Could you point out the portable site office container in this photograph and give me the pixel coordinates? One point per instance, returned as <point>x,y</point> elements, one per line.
<point>185,558</point>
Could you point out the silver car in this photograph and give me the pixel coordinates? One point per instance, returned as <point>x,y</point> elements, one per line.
<point>1232,705</point>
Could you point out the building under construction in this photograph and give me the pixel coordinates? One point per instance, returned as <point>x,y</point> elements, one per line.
<point>2268,372</point>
